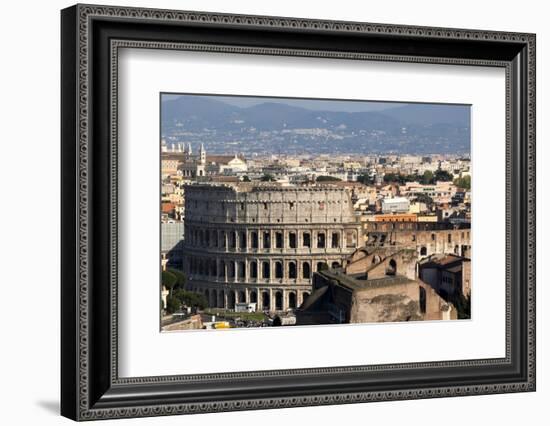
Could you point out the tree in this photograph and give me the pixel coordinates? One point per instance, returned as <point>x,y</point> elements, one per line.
<point>424,198</point>
<point>427,178</point>
<point>172,304</point>
<point>442,176</point>
<point>169,280</point>
<point>463,182</point>
<point>267,178</point>
<point>190,298</point>
<point>365,179</point>
<point>327,179</point>
<point>463,307</point>
<point>181,279</point>
<point>392,177</point>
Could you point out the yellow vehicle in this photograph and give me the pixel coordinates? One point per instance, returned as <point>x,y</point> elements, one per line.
<point>221,324</point>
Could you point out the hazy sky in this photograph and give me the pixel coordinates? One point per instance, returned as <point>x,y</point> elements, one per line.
<point>312,104</point>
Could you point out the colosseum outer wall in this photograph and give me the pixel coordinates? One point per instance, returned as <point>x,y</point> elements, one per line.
<point>261,243</point>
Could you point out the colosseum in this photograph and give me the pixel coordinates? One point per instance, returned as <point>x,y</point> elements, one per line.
<point>261,242</point>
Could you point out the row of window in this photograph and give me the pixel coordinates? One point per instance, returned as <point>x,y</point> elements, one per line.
<point>263,269</point>
<point>217,299</point>
<point>266,239</point>
<point>265,205</point>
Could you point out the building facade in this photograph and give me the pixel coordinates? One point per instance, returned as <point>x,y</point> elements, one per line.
<point>261,243</point>
<point>426,238</point>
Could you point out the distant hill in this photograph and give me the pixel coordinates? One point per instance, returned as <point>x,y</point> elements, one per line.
<point>410,128</point>
<point>430,114</point>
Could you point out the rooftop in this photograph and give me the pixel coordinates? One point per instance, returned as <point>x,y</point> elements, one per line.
<point>354,281</point>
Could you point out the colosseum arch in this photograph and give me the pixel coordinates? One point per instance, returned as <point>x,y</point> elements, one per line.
<point>222,272</point>
<point>242,297</point>
<point>306,270</point>
<point>231,300</point>
<point>254,269</point>
<point>241,270</point>
<point>254,240</point>
<point>266,305</point>
<point>292,300</point>
<point>279,300</point>
<point>391,269</point>
<point>253,296</point>
<point>292,273</point>
<point>265,270</point>
<point>279,269</point>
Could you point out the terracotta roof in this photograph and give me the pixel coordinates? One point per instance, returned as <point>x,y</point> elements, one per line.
<point>168,207</point>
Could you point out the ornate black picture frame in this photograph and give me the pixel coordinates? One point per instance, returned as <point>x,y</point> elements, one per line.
<point>91,37</point>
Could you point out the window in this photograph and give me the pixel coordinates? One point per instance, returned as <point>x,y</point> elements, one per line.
<point>392,268</point>
<point>423,251</point>
<point>321,240</point>
<point>265,270</point>
<point>449,236</point>
<point>267,240</point>
<point>215,238</point>
<point>292,300</point>
<point>222,269</point>
<point>232,240</point>
<point>414,237</point>
<point>433,237</point>
<point>278,270</point>
<point>254,239</point>
<point>242,241</point>
<point>306,239</point>
<point>306,271</point>
<point>335,240</point>
<point>278,239</point>
<point>265,206</point>
<point>292,240</point>
<point>292,270</point>
<point>254,269</point>
<point>350,239</point>
<point>279,301</point>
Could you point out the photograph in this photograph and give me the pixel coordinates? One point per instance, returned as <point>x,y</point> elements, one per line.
<point>279,211</point>
<point>277,208</point>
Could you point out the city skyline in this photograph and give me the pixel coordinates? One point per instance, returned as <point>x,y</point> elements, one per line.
<point>261,126</point>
